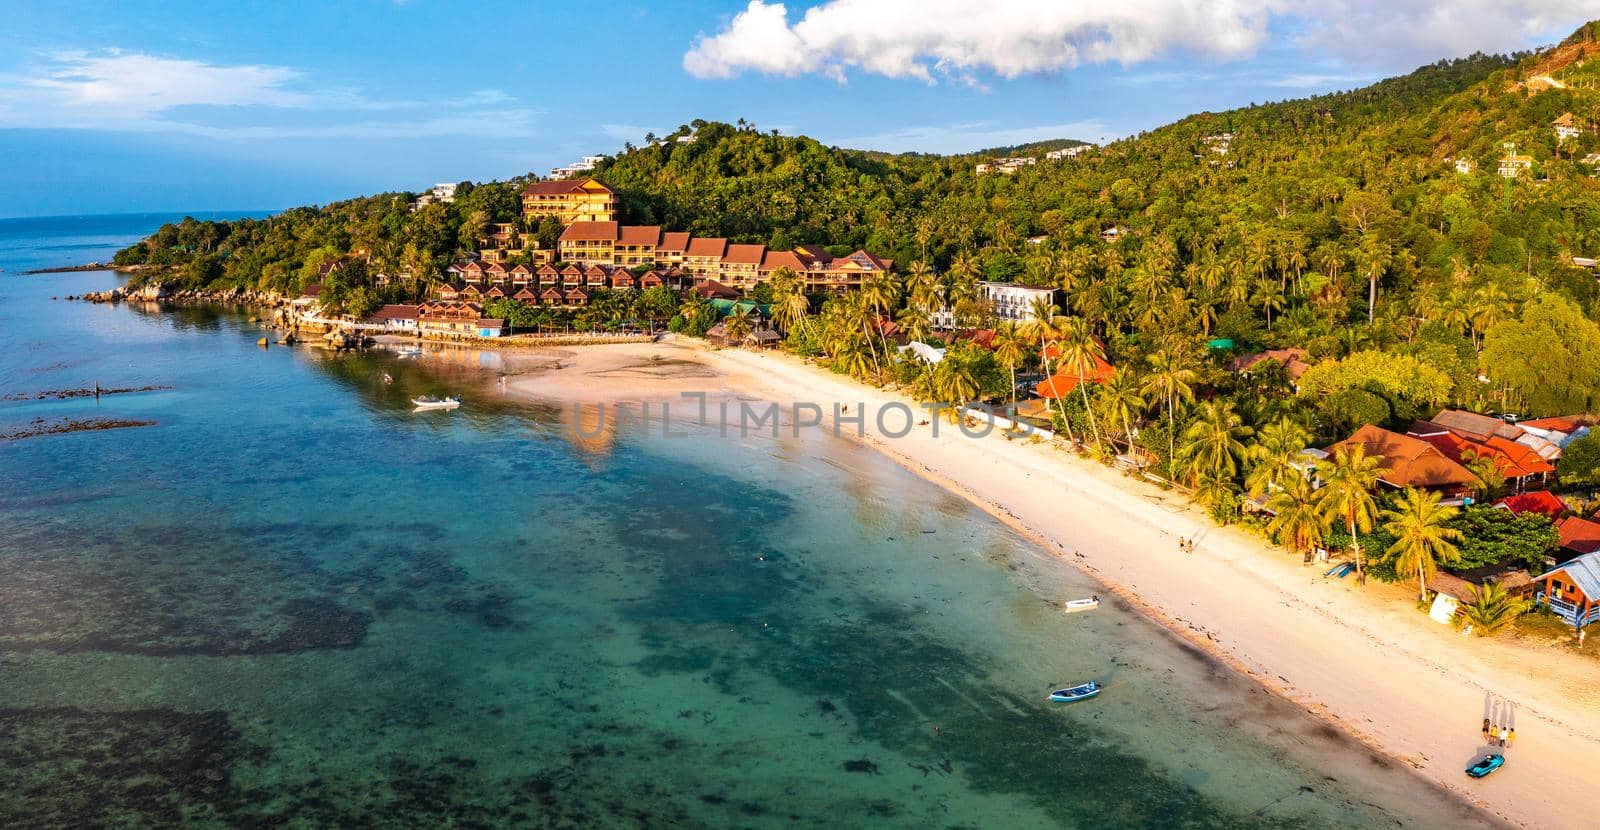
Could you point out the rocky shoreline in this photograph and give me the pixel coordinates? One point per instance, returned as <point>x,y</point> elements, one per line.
<point>157,292</point>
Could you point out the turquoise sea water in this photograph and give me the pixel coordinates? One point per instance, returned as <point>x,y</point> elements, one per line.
<point>292,601</point>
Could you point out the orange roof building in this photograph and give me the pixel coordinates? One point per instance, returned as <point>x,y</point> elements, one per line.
<point>1408,461</point>
<point>1067,380</point>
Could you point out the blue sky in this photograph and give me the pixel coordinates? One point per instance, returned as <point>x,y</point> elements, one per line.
<point>124,106</point>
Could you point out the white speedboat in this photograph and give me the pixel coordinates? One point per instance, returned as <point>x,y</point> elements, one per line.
<point>1086,604</point>
<point>430,402</point>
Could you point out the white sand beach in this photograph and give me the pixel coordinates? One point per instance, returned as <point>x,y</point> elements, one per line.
<point>1363,659</point>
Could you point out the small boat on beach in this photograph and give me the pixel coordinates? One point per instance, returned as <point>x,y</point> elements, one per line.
<point>1486,765</point>
<point>1082,691</point>
<point>430,402</point>
<point>1073,606</point>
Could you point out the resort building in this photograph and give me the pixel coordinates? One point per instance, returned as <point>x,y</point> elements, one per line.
<point>1464,166</point>
<point>636,245</point>
<point>570,200</point>
<point>399,318</point>
<point>672,248</point>
<point>589,242</point>
<point>1572,591</point>
<point>703,257</point>
<point>1069,152</point>
<point>1406,461</point>
<point>740,266</point>
<point>441,193</point>
<point>456,319</point>
<point>1015,302</point>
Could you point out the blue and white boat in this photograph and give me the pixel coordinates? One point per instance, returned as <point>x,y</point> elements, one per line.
<point>1486,765</point>
<point>1083,691</point>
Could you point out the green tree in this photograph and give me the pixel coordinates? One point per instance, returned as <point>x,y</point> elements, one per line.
<point>1579,465</point>
<point>1493,608</point>
<point>1424,539</point>
<point>1548,358</point>
<point>1213,443</point>
<point>1297,519</point>
<point>1346,495</point>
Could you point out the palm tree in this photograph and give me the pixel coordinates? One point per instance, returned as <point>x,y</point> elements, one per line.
<point>1493,608</point>
<point>1423,540</point>
<point>1374,256</point>
<point>922,286</point>
<point>1045,324</point>
<point>1268,294</point>
<point>956,382</point>
<point>1169,378</point>
<point>1274,454</point>
<point>737,325</point>
<point>790,306</point>
<point>1120,396</point>
<point>1491,480</point>
<point>1346,495</point>
<point>1010,348</point>
<point>1212,444</point>
<point>1082,354</point>
<point>1296,518</point>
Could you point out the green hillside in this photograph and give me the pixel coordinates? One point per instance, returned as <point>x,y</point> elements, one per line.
<point>1276,242</point>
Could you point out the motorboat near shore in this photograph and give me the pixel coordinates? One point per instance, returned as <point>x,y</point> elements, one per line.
<point>430,402</point>
<point>1072,606</point>
<point>1082,691</point>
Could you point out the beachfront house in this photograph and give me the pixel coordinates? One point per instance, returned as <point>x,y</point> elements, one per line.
<point>1407,461</point>
<point>1572,591</point>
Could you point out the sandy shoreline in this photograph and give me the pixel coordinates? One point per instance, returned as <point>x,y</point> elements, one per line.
<point>1364,661</point>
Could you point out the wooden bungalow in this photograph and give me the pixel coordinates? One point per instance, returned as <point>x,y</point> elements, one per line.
<point>1572,591</point>
<point>571,277</point>
<point>521,275</point>
<point>496,291</point>
<point>576,297</point>
<point>526,295</point>
<point>551,296</point>
<point>623,279</point>
<point>548,275</point>
<point>497,273</point>
<point>650,279</point>
<point>596,277</point>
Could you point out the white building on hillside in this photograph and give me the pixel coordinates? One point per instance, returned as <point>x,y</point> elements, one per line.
<point>1010,302</point>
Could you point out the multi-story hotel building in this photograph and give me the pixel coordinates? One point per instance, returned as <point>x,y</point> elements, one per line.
<point>570,200</point>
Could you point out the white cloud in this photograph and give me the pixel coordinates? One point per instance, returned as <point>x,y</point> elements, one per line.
<point>138,92</point>
<point>961,39</point>
<point>133,83</point>
<point>1406,33</point>
<point>922,38</point>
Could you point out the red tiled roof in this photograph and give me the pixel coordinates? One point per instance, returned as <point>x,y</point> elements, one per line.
<point>1579,535</point>
<point>590,231</point>
<point>1408,461</point>
<point>783,259</point>
<point>711,289</point>
<point>673,242</point>
<point>744,254</point>
<point>558,188</point>
<point>1514,460</point>
<point>1542,502</point>
<point>1562,423</point>
<point>640,235</point>
<point>712,247</point>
